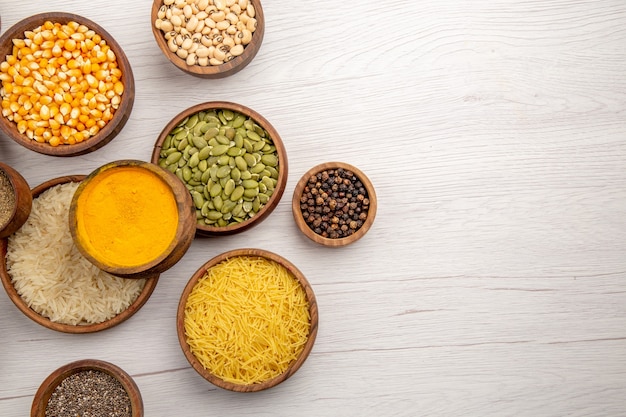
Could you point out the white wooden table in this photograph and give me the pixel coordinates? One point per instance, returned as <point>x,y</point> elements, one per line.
<point>493,282</point>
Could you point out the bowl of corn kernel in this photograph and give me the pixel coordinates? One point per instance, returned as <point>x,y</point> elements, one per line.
<point>67,86</point>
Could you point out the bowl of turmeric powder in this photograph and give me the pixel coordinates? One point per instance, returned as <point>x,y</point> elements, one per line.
<point>132,218</point>
<point>67,85</point>
<point>247,320</point>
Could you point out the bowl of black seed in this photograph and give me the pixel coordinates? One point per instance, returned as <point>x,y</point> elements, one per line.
<point>334,204</point>
<point>88,387</point>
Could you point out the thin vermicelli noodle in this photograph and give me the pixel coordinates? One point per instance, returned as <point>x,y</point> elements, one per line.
<point>247,319</point>
<point>53,277</point>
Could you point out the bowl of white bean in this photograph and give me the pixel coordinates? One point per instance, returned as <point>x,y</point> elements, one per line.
<point>208,38</point>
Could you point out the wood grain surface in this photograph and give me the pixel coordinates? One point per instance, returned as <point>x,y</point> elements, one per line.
<point>493,281</point>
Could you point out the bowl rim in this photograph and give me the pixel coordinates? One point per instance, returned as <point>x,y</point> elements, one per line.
<point>23,200</point>
<point>212,71</point>
<point>283,172</point>
<point>21,304</point>
<point>122,113</point>
<point>183,236</point>
<point>313,311</point>
<point>49,384</point>
<point>306,230</point>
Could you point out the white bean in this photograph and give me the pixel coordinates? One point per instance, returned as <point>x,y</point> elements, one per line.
<point>187,43</point>
<point>202,52</point>
<point>167,26</point>
<point>176,21</point>
<point>192,24</point>
<point>171,44</point>
<point>250,10</point>
<point>202,4</point>
<point>182,53</point>
<point>236,50</point>
<point>223,25</point>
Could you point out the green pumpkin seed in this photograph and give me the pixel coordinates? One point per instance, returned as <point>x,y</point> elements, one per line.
<point>222,139</point>
<point>257,168</point>
<point>173,158</point>
<point>251,192</point>
<point>186,174</point>
<point>241,163</point>
<point>263,198</point>
<point>223,160</point>
<point>211,133</point>
<point>237,193</point>
<point>199,142</point>
<point>215,190</point>
<point>214,215</point>
<point>228,206</point>
<point>246,175</point>
<point>223,171</point>
<point>194,160</point>
<point>219,150</point>
<point>230,186</point>
<point>198,199</point>
<point>249,159</point>
<point>234,151</point>
<point>249,184</point>
<point>269,160</point>
<point>235,174</point>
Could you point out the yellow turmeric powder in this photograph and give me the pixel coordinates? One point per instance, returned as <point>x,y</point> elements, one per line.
<point>126,216</point>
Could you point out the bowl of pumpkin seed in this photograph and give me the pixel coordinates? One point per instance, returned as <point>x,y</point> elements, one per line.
<point>232,161</point>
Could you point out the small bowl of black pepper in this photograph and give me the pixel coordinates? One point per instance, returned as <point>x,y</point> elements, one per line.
<point>334,204</point>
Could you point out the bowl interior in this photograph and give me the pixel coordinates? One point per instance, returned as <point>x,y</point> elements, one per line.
<point>23,306</point>
<point>120,115</point>
<point>294,366</point>
<point>231,67</point>
<point>280,179</point>
<point>328,241</point>
<point>48,386</point>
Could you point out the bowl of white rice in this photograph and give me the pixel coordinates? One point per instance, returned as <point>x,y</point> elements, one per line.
<point>48,279</point>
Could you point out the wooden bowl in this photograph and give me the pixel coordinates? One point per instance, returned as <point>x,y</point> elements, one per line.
<point>43,394</point>
<point>121,114</point>
<point>318,238</point>
<point>23,201</point>
<point>211,71</point>
<point>270,205</point>
<point>185,227</point>
<point>313,311</point>
<point>22,305</point>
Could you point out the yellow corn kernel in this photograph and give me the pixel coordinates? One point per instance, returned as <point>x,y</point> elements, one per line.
<point>89,123</point>
<point>54,124</point>
<point>45,100</point>
<point>65,109</point>
<point>79,137</point>
<point>54,141</point>
<point>22,126</point>
<point>118,87</point>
